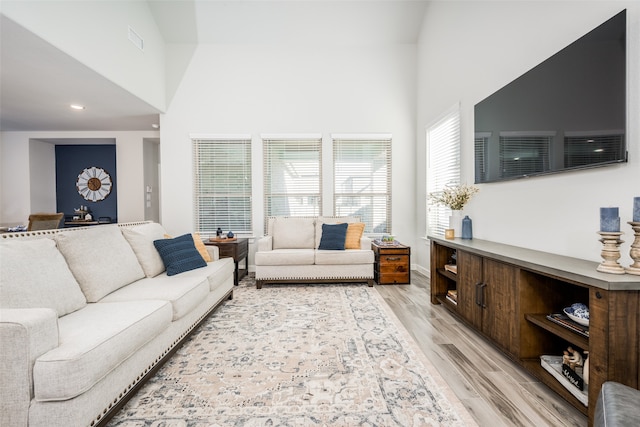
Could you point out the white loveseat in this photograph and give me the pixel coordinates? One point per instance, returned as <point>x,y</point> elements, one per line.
<point>289,252</point>
<point>87,315</point>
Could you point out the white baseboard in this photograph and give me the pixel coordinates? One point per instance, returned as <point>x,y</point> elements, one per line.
<point>421,270</point>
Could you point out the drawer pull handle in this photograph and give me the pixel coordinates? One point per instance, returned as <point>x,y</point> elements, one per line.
<point>478,294</point>
<point>397,258</point>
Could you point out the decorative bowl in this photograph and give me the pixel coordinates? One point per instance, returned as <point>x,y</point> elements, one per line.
<point>579,313</point>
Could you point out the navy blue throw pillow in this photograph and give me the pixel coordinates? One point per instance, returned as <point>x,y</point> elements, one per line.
<point>179,254</point>
<point>333,236</point>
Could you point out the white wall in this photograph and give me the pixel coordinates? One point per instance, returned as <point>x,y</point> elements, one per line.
<point>151,159</point>
<point>290,89</point>
<point>16,180</point>
<point>470,49</point>
<point>42,176</point>
<point>95,33</point>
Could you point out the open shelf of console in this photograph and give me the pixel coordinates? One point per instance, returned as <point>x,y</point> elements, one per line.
<point>505,293</point>
<point>574,338</point>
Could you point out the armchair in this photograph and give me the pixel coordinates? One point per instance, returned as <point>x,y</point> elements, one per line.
<point>44,221</point>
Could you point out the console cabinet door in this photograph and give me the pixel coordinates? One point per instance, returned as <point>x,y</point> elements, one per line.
<point>487,297</point>
<point>500,304</point>
<point>470,287</point>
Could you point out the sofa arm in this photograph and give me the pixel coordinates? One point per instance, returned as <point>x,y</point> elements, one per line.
<point>214,251</point>
<point>365,243</point>
<point>265,243</point>
<point>25,334</point>
<point>618,405</point>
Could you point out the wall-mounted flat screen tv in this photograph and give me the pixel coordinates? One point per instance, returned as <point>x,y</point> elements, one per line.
<point>567,113</point>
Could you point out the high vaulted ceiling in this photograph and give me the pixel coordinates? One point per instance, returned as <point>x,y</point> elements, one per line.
<point>37,80</point>
<point>290,21</point>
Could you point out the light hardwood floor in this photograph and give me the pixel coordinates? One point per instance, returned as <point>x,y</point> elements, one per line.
<point>495,390</point>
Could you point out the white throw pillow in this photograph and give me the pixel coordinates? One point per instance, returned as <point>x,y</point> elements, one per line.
<point>294,233</point>
<point>141,239</point>
<point>35,275</point>
<point>100,259</point>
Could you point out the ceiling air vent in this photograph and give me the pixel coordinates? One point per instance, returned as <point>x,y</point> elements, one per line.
<point>136,39</point>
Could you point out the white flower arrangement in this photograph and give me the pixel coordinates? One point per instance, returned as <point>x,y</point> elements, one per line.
<point>454,197</point>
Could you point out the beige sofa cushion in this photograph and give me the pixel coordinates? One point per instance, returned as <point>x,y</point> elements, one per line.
<point>93,342</point>
<point>354,256</point>
<point>141,239</point>
<point>285,257</point>
<point>35,275</point>
<point>216,273</point>
<point>184,293</point>
<point>293,233</point>
<point>100,259</point>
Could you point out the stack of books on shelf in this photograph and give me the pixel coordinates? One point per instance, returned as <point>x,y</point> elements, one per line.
<point>452,295</point>
<point>452,268</point>
<point>564,321</point>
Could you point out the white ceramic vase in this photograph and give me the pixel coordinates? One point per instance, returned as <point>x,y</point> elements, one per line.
<point>455,222</point>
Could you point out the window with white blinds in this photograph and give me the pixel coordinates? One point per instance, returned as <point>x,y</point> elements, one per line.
<point>222,184</point>
<point>443,166</point>
<point>524,155</point>
<point>362,180</point>
<point>292,176</point>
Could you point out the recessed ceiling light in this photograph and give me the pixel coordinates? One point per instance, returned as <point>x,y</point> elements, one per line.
<point>77,107</point>
<point>155,126</point>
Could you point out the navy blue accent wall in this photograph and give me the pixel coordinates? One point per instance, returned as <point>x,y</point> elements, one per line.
<point>71,160</point>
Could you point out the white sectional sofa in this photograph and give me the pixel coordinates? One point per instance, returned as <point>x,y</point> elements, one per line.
<point>289,252</point>
<point>88,314</point>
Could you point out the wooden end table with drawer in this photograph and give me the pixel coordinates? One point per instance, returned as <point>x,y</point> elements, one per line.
<point>237,249</point>
<point>392,263</point>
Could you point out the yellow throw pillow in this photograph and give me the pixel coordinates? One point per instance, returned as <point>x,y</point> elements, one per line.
<point>354,234</point>
<point>200,246</point>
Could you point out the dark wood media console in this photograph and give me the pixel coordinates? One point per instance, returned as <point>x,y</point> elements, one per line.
<point>505,293</point>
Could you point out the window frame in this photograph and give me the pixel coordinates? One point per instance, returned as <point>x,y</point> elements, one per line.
<point>379,220</point>
<point>292,145</point>
<point>224,179</point>
<point>443,165</point>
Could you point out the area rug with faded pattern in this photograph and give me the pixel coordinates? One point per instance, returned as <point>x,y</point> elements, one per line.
<point>297,355</point>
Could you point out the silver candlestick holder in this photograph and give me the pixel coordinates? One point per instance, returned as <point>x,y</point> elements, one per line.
<point>610,252</point>
<point>634,268</point>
